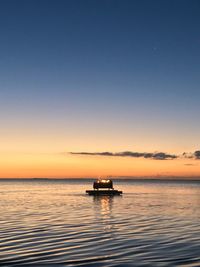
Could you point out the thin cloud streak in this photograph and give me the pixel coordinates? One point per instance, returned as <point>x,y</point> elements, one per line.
<point>156,155</point>
<point>190,164</point>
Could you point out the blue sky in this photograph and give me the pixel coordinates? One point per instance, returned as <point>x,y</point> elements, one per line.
<point>128,69</point>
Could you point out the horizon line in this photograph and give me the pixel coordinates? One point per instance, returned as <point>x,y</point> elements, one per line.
<point>112,177</point>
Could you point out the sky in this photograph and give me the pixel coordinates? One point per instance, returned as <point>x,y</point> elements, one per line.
<point>90,77</point>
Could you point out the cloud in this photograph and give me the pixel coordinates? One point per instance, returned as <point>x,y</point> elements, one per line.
<point>162,156</point>
<point>146,155</point>
<point>187,155</point>
<point>190,164</point>
<point>197,154</point>
<point>155,155</point>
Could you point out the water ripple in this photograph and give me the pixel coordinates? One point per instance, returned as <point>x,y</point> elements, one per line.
<point>145,227</point>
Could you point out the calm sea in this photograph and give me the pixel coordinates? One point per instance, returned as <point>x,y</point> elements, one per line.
<point>53,223</point>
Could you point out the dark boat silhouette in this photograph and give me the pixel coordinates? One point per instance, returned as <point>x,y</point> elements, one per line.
<point>103,187</point>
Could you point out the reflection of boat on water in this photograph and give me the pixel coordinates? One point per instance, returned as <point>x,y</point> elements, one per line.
<point>103,205</point>
<point>103,187</point>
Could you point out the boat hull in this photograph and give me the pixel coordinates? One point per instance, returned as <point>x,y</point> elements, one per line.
<point>103,192</point>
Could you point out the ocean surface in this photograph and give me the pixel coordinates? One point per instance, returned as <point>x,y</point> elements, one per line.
<point>54,223</point>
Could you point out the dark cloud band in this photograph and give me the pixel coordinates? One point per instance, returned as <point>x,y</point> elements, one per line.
<point>156,155</point>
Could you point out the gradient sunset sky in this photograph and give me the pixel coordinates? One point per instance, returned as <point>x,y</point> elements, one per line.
<point>90,77</point>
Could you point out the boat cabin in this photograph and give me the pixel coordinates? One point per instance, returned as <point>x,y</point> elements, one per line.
<point>105,185</point>
<point>101,183</point>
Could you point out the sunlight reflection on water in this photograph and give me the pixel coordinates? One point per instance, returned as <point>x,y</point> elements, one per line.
<point>54,222</point>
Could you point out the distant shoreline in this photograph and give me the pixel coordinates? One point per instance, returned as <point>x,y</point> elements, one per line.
<point>172,179</point>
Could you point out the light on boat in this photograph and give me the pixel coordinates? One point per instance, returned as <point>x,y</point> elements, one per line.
<point>104,181</point>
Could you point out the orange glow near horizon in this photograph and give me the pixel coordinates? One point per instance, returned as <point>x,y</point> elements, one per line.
<point>28,154</point>
<point>74,166</point>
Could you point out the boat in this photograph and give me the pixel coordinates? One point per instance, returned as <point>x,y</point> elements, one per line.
<point>103,187</point>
